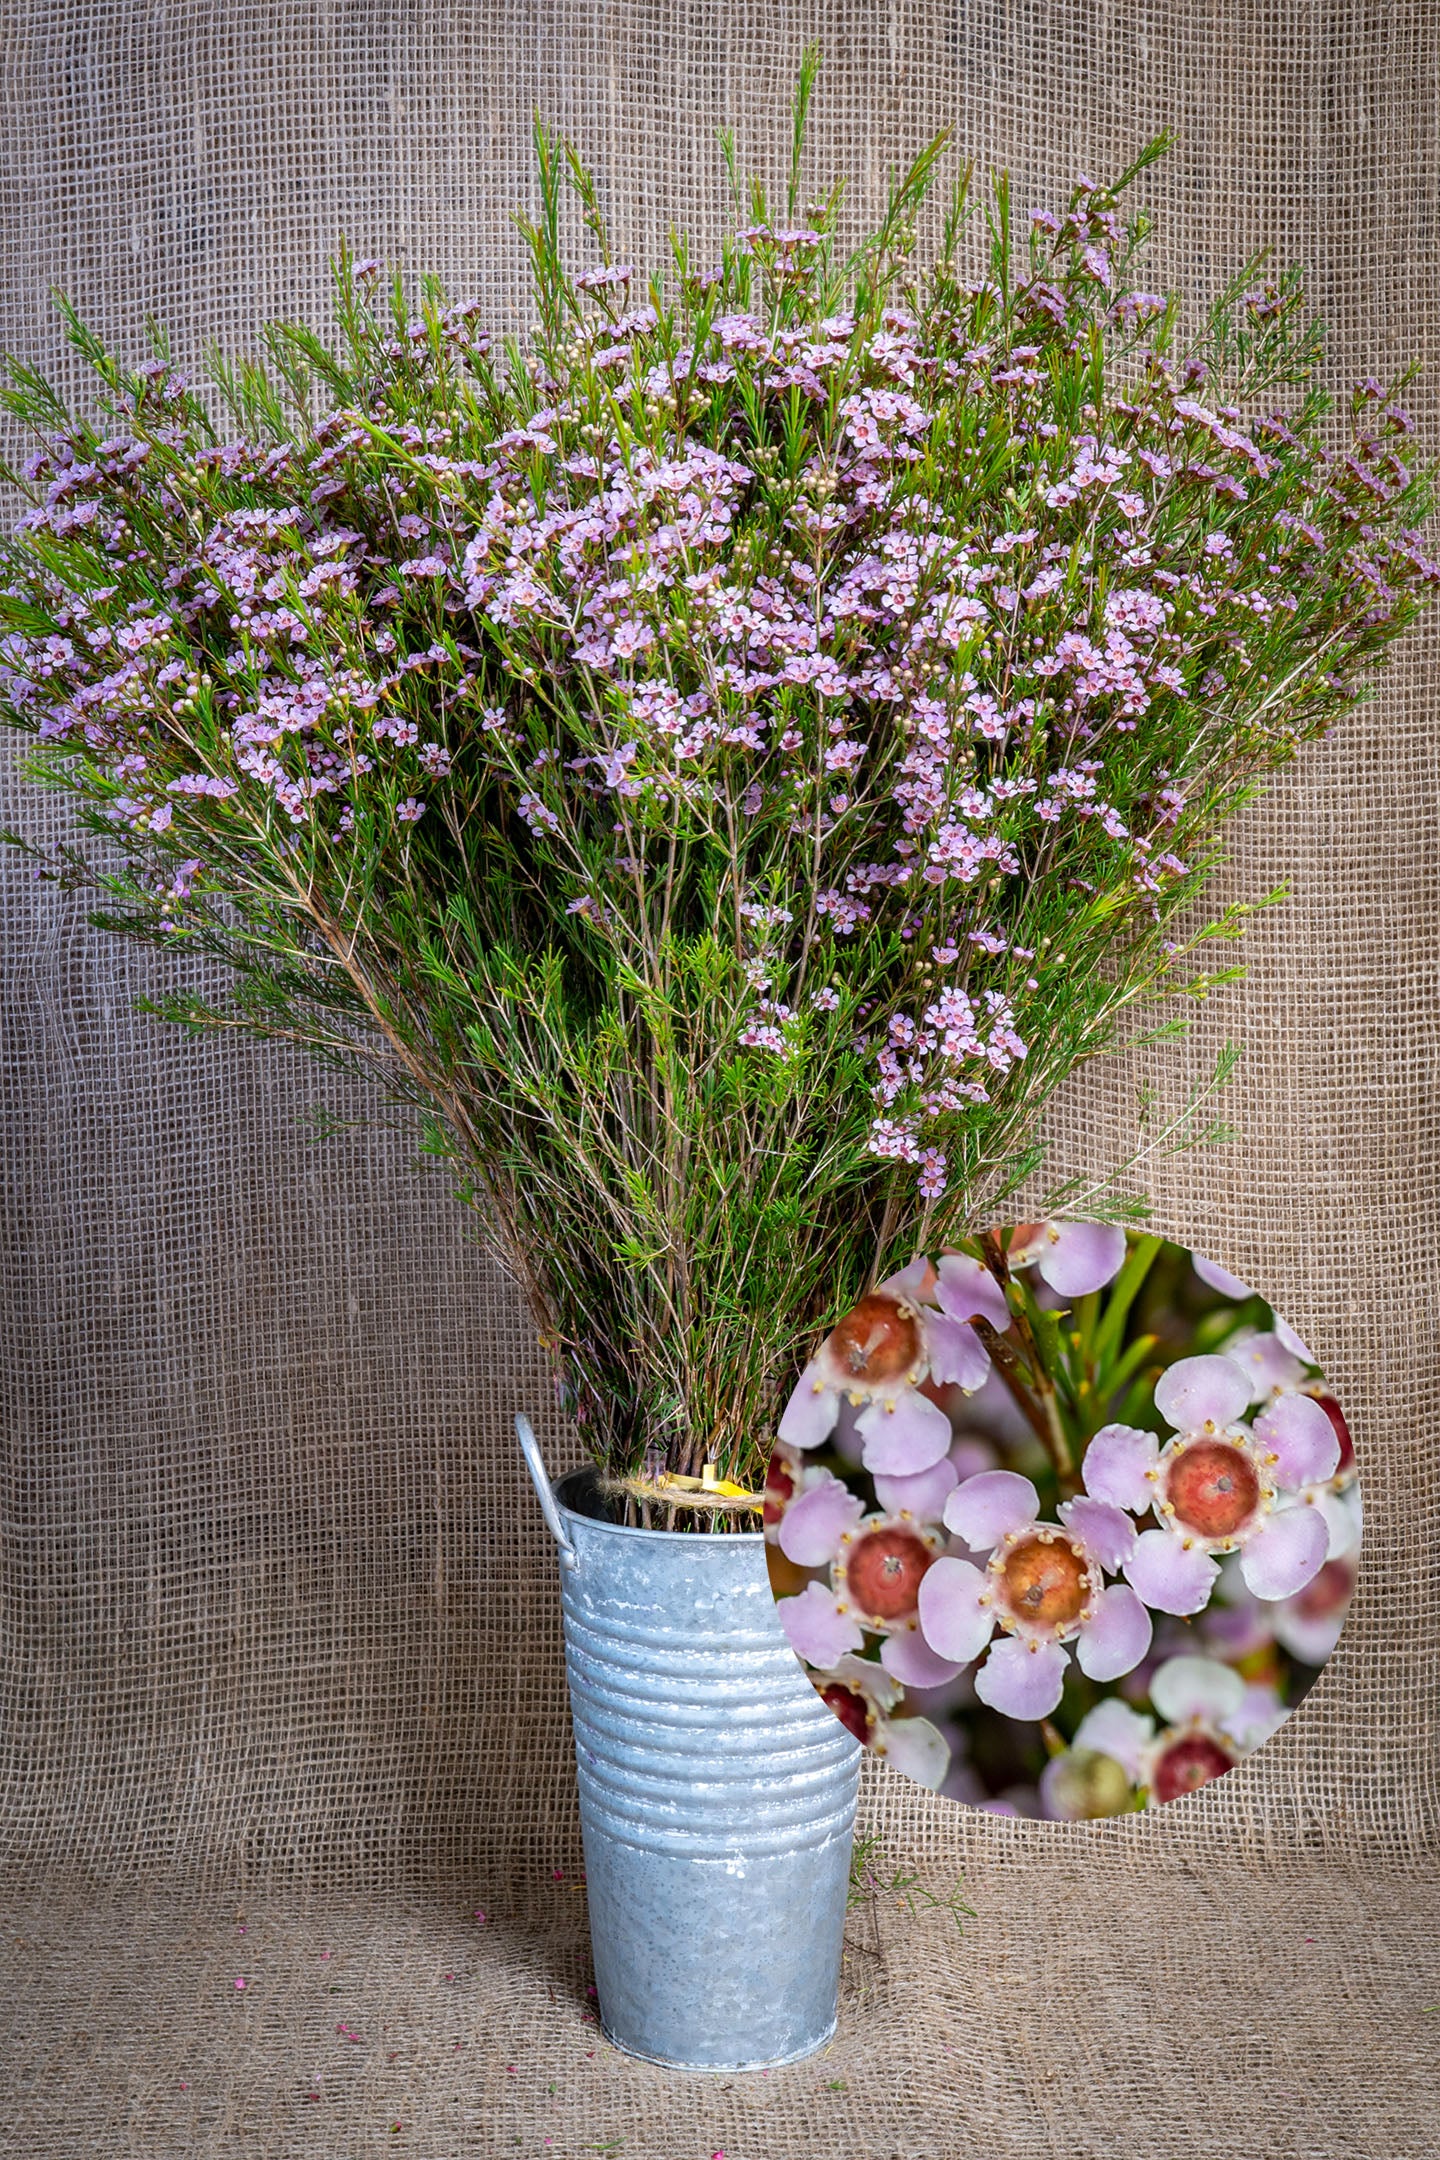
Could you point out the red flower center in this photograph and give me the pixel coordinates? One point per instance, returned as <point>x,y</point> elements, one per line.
<point>1213,1488</point>
<point>1328,1593</point>
<point>779,1487</point>
<point>1189,1764</point>
<point>852,1709</point>
<point>883,1571</point>
<point>876,1342</point>
<point>1342,1433</point>
<point>1045,1581</point>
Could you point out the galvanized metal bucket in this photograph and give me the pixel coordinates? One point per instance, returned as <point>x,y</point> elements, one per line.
<point>717,1792</point>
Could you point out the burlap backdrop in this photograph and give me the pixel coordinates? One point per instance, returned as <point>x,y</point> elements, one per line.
<point>280,1670</point>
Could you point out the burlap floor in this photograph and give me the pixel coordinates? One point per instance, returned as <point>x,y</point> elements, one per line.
<point>278,1630</point>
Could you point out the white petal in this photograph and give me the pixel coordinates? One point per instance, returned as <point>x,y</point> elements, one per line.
<point>868,1679</point>
<point>914,1746</point>
<point>1266,1364</point>
<point>1115,1467</point>
<point>955,1353</point>
<point>1104,1530</point>
<point>1258,1719</point>
<point>1079,1257</point>
<point>1342,1521</point>
<point>909,1283</point>
<point>1196,1687</point>
<point>1296,1430</point>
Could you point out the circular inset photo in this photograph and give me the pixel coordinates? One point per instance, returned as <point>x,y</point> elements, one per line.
<point>1064,1522</point>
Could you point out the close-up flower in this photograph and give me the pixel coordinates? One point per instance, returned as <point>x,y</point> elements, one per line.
<point>877,1359</point>
<point>1121,1574</point>
<point>875,1563</point>
<point>1042,1587</point>
<point>1210,1719</point>
<point>862,1695</point>
<point>1217,1486</point>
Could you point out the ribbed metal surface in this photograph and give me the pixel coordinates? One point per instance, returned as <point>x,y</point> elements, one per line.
<point>717,1798</point>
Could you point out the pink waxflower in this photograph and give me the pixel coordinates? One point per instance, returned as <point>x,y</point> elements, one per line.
<point>1212,1719</point>
<point>877,1564</point>
<point>1072,1257</point>
<point>1217,1486</point>
<point>881,1353</point>
<point>863,1695</point>
<point>1274,1365</point>
<point>1218,1278</point>
<point>1308,1624</point>
<point>1043,1587</point>
<point>787,1476</point>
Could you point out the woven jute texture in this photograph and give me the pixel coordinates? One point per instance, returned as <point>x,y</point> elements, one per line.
<point>280,1684</point>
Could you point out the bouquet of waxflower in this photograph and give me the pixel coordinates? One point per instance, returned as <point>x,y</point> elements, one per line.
<point>1100,1559</point>
<point>723,760</point>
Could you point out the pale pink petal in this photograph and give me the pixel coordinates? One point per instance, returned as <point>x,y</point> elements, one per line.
<point>909,1658</point>
<point>1115,1465</point>
<point>1286,1552</point>
<point>956,1354</point>
<point>1169,1578</point>
<point>1219,1278</point>
<point>1290,1341</point>
<point>1296,1429</point>
<point>1310,1640</point>
<point>845,1439</point>
<point>1117,1638</point>
<point>817,1630</point>
<point>904,1437</point>
<point>913,1746</point>
<point>911,1282</point>
<point>1078,1257</point>
<point>1258,1719</point>
<point>1105,1530</point>
<point>923,1495</point>
<point>1341,1512</point>
<point>1196,1687</point>
<point>970,1455</point>
<point>1022,1679</point>
<point>953,1621</point>
<point>1266,1364</point>
<point>810,1414</point>
<point>814,1523</point>
<point>1113,1728</point>
<point>985,1508</point>
<point>1200,1391</point>
<point>968,1291</point>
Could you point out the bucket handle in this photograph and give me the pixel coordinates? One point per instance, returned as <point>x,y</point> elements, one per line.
<point>544,1490</point>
